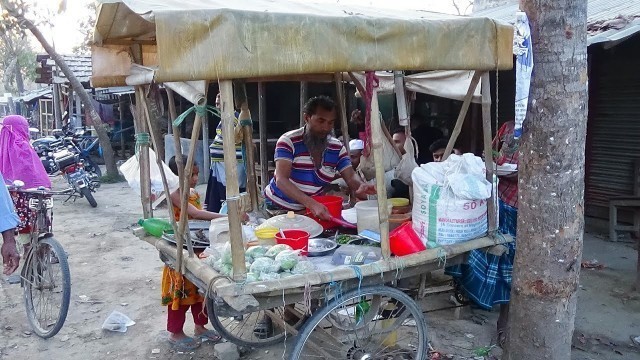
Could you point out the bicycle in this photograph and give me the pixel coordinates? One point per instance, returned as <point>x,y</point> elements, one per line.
<point>45,275</point>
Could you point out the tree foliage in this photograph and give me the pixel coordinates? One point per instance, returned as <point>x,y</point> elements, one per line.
<point>86,27</point>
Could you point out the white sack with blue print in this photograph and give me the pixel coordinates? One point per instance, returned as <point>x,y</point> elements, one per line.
<point>450,200</point>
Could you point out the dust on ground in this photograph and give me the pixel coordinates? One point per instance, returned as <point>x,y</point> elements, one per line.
<point>113,270</point>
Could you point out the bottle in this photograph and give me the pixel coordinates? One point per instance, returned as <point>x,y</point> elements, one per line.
<point>155,227</point>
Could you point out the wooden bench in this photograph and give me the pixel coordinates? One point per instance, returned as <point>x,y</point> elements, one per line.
<point>630,202</point>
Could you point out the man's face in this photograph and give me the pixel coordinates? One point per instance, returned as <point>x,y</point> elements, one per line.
<point>355,158</point>
<point>321,123</point>
<point>399,139</point>
<point>438,155</point>
<point>218,101</point>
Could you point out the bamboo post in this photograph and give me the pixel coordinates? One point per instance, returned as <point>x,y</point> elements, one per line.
<point>488,152</point>
<point>159,162</point>
<point>247,138</point>
<point>233,191</point>
<point>177,142</point>
<point>398,80</point>
<point>262,128</point>
<point>143,153</point>
<point>303,99</point>
<point>383,211</point>
<point>463,114</point>
<point>342,110</point>
<point>188,170</point>
<point>205,147</point>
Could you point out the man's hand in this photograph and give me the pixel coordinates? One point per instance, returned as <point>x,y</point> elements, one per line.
<point>320,211</point>
<point>366,189</point>
<point>10,256</point>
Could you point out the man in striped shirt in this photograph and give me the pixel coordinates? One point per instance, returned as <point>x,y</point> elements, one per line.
<point>308,160</point>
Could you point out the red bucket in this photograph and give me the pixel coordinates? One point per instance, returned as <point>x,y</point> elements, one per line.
<point>404,240</point>
<point>333,204</point>
<point>297,239</point>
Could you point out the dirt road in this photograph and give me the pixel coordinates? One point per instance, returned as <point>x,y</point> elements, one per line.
<point>113,270</point>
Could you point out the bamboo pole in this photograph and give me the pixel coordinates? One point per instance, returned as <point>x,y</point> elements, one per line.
<point>145,174</point>
<point>463,114</point>
<point>205,147</point>
<point>358,84</point>
<point>403,117</point>
<point>177,143</point>
<point>159,162</point>
<point>303,99</point>
<point>247,137</point>
<point>342,110</point>
<point>381,189</point>
<point>488,152</point>
<point>188,170</point>
<point>233,191</point>
<point>262,128</point>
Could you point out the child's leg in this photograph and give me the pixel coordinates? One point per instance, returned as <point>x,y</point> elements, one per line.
<point>176,319</point>
<point>200,317</point>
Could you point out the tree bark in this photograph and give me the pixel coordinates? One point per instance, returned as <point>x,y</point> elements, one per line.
<point>551,185</point>
<point>94,118</point>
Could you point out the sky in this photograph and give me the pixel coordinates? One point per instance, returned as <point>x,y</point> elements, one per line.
<point>66,33</point>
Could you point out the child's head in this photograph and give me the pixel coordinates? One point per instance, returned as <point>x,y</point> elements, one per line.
<point>195,171</point>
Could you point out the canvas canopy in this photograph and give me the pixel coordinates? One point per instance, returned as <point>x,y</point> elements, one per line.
<point>214,39</point>
<point>450,84</point>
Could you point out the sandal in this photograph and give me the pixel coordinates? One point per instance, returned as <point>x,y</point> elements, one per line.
<point>185,344</point>
<point>210,335</point>
<point>502,338</point>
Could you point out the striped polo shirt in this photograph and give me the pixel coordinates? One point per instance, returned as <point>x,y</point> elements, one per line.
<point>216,151</point>
<point>304,175</point>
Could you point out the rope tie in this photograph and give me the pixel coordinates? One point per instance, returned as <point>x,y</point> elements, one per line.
<point>142,138</point>
<point>200,110</point>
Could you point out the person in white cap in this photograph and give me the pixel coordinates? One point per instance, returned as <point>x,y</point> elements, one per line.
<point>356,146</point>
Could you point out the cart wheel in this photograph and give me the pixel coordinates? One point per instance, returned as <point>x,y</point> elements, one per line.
<point>256,329</point>
<point>375,322</point>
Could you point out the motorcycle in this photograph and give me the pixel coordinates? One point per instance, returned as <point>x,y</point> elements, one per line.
<point>67,138</point>
<point>82,182</point>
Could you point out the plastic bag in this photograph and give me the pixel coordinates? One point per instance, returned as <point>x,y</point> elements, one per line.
<point>264,265</point>
<point>276,249</point>
<point>287,259</point>
<point>131,172</point>
<point>117,322</point>
<point>304,267</point>
<point>407,163</point>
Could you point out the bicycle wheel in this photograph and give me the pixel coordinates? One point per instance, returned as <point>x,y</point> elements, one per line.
<point>86,192</point>
<point>375,322</point>
<point>47,287</point>
<point>256,329</point>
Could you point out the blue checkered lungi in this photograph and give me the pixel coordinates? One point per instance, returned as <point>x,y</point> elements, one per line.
<point>486,278</point>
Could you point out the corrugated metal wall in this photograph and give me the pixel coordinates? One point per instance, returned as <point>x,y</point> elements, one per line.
<point>613,139</point>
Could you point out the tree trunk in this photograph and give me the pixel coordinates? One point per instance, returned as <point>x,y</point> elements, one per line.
<point>19,79</point>
<point>551,187</point>
<point>94,118</point>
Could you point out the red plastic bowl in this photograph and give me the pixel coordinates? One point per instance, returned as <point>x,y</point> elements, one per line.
<point>404,240</point>
<point>297,239</point>
<point>333,204</point>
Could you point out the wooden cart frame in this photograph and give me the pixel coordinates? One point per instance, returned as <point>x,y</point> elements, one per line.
<point>232,296</point>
